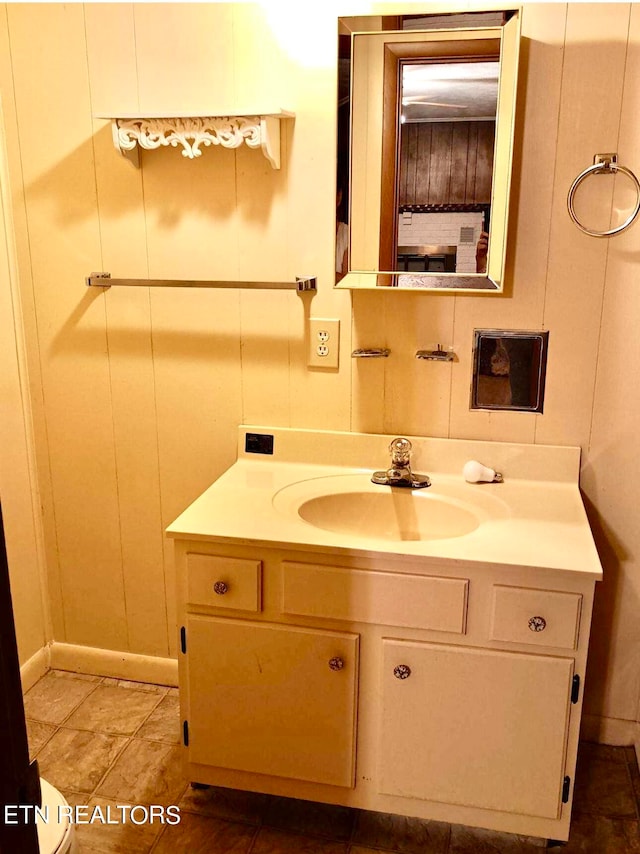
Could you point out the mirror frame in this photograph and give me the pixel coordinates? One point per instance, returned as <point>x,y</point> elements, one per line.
<point>463,43</point>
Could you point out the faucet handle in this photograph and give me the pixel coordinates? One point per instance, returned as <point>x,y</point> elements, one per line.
<point>400,472</point>
<point>400,450</point>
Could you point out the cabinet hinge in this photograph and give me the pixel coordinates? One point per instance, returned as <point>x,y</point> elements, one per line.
<point>185,734</point>
<point>183,639</point>
<point>575,689</point>
<point>565,789</point>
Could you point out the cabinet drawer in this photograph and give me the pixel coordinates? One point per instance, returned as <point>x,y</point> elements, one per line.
<point>384,598</point>
<point>223,582</point>
<point>541,617</point>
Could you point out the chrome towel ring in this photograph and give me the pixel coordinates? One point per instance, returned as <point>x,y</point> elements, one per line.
<point>604,164</point>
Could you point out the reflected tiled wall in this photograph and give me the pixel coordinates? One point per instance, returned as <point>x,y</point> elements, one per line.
<point>443,229</point>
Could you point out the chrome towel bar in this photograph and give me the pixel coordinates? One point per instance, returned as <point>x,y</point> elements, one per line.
<point>104,280</point>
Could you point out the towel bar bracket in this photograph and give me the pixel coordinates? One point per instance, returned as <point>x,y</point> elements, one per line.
<point>306,283</point>
<point>92,278</point>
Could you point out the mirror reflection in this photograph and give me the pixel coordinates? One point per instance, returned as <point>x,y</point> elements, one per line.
<point>447,116</point>
<point>417,131</point>
<point>509,370</point>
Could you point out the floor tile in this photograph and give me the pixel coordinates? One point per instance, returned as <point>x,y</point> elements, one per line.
<point>605,752</point>
<point>595,834</point>
<point>272,841</point>
<point>197,834</point>
<point>74,799</point>
<point>38,734</point>
<point>123,738</point>
<point>147,772</point>
<point>472,840</point>
<point>137,686</point>
<point>634,771</point>
<point>604,788</point>
<point>71,674</point>
<point>76,760</point>
<point>231,804</point>
<point>163,724</point>
<point>110,709</point>
<point>123,835</point>
<point>630,755</point>
<point>399,833</point>
<point>333,822</point>
<point>56,695</point>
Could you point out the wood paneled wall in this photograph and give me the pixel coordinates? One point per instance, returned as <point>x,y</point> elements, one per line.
<point>136,394</point>
<point>446,163</point>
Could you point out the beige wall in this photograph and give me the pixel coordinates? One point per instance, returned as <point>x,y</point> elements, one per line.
<point>18,477</point>
<point>137,393</point>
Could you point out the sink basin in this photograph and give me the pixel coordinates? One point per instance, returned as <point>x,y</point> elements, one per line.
<point>397,515</point>
<point>351,505</point>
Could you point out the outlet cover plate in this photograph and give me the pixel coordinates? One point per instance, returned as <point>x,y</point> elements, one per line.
<point>324,342</point>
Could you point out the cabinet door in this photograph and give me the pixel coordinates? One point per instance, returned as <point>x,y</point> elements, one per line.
<point>272,699</point>
<point>479,728</point>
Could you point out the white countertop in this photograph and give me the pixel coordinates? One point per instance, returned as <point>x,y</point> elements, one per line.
<point>534,522</point>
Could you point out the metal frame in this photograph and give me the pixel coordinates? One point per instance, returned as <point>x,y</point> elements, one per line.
<point>540,375</point>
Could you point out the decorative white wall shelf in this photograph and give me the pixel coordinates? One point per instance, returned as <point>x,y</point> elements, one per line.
<point>257,130</point>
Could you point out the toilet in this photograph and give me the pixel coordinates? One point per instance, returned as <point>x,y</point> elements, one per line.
<point>55,837</point>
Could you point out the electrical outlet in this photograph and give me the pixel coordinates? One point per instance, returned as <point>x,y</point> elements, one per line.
<point>324,342</point>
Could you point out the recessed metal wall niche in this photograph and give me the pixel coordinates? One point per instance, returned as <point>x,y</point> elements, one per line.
<point>509,369</point>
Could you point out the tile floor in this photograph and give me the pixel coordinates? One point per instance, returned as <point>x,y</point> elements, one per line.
<point>105,741</point>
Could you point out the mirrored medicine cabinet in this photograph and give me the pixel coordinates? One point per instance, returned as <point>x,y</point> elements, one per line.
<point>426,115</point>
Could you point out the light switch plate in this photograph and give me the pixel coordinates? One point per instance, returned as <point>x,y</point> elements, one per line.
<point>324,342</point>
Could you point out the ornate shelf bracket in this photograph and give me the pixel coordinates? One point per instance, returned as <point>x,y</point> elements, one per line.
<point>192,133</point>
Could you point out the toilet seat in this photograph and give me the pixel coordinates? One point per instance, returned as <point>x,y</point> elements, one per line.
<point>55,837</point>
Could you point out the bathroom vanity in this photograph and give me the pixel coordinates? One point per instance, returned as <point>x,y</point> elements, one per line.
<point>419,652</point>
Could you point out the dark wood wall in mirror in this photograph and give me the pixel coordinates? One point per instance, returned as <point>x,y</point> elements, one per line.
<point>425,131</point>
<point>446,163</point>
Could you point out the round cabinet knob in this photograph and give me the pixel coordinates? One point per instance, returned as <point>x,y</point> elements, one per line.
<point>402,671</point>
<point>336,663</point>
<point>220,587</point>
<point>537,624</point>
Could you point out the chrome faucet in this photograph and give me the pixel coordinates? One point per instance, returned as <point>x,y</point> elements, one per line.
<point>399,474</point>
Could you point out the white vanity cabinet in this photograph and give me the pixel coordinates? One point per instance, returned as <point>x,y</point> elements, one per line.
<point>430,688</point>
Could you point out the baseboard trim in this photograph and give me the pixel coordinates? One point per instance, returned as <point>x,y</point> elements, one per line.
<point>108,662</point>
<point>34,668</point>
<point>610,731</point>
